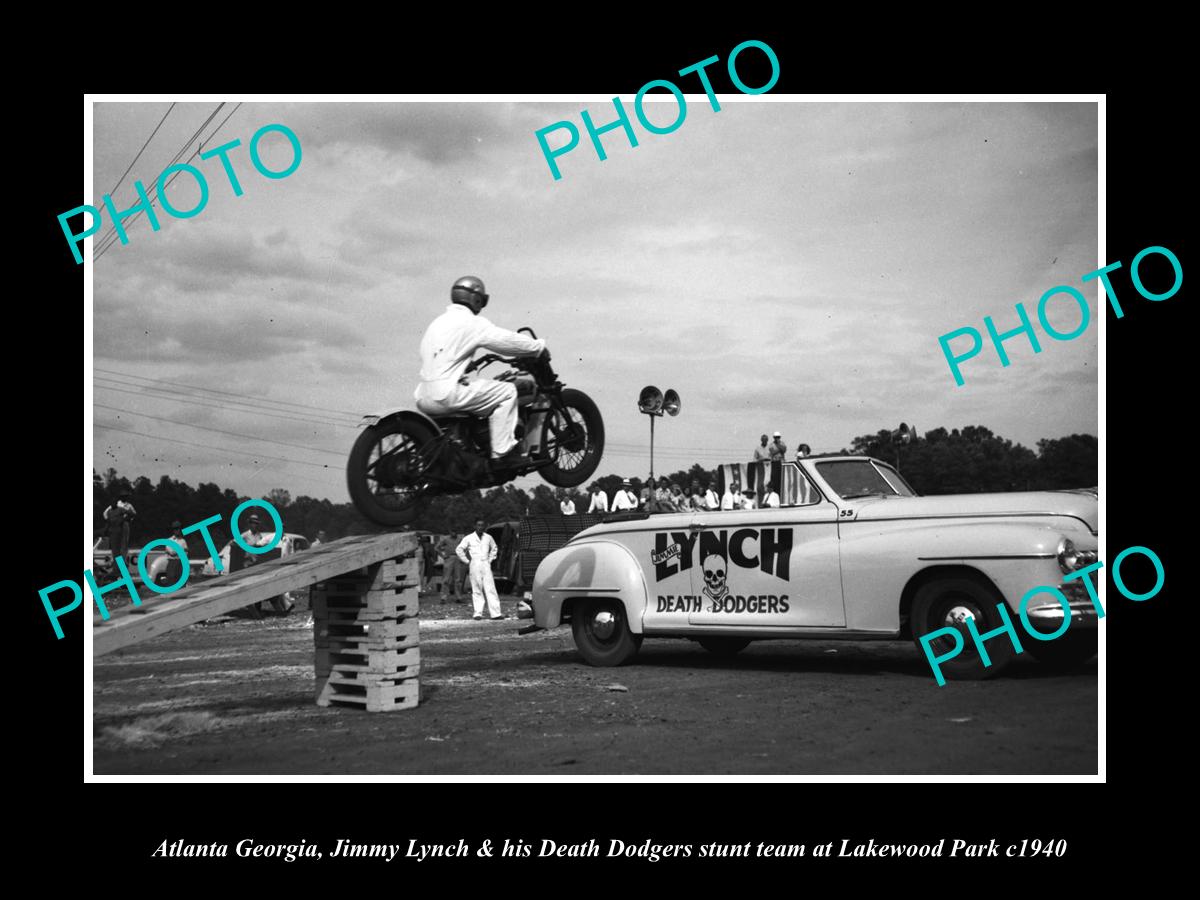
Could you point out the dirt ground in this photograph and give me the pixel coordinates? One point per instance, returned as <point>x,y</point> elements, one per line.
<point>236,696</point>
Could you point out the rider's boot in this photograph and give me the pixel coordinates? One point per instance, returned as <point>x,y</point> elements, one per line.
<point>512,459</point>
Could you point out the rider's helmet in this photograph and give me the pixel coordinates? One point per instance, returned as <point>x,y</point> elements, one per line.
<point>469,291</point>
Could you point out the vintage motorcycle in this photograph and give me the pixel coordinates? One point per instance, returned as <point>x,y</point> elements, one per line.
<point>403,458</point>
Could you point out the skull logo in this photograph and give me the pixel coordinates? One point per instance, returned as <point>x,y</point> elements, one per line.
<point>714,576</point>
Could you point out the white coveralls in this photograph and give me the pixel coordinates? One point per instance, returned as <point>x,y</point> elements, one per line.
<point>449,343</point>
<point>478,553</point>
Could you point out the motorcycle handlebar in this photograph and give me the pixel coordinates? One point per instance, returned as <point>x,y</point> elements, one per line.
<point>524,363</point>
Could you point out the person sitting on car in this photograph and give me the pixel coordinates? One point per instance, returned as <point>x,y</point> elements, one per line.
<point>646,499</point>
<point>678,498</point>
<point>664,500</point>
<point>732,498</point>
<point>624,498</point>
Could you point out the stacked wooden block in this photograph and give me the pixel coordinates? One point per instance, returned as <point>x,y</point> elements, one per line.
<point>367,637</point>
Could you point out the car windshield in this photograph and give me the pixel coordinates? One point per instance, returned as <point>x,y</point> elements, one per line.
<point>851,478</point>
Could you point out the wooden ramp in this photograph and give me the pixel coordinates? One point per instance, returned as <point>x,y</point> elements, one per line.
<point>201,600</point>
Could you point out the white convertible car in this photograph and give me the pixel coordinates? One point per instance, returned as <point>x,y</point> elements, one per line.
<point>853,553</point>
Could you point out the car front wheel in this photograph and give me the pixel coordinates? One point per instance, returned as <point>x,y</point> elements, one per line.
<point>947,603</point>
<point>602,634</point>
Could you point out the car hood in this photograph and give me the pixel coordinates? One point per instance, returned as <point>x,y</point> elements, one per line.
<point>1076,504</point>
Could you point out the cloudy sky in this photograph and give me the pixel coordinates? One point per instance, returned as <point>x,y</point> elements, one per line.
<point>782,265</point>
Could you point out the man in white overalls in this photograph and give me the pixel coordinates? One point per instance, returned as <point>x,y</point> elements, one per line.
<point>478,550</point>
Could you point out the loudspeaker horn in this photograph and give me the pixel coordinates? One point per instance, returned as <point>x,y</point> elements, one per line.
<point>650,400</point>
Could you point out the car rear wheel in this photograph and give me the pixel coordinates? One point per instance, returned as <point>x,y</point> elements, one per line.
<point>724,646</point>
<point>947,603</point>
<point>1069,651</point>
<point>602,634</point>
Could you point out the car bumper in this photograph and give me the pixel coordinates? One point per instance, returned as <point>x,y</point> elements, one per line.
<point>1047,617</point>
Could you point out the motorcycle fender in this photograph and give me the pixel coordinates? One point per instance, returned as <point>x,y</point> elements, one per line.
<point>376,418</point>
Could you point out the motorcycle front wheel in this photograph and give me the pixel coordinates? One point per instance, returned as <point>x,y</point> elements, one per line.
<point>573,439</point>
<point>387,471</point>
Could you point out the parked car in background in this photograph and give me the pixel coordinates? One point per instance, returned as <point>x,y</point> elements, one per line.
<point>156,562</point>
<point>291,543</point>
<point>102,557</point>
<point>853,554</point>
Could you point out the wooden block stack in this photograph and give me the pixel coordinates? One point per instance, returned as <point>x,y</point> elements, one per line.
<point>367,637</point>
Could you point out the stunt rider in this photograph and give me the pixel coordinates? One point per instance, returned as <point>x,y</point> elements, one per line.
<point>449,343</point>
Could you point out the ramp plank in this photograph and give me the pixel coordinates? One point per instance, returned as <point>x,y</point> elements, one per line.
<point>196,602</point>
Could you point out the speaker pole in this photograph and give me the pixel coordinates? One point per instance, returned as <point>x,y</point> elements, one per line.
<point>652,446</point>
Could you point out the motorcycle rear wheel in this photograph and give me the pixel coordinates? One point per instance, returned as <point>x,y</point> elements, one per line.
<point>574,457</point>
<point>386,468</point>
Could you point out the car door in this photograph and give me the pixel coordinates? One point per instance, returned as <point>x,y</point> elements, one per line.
<point>768,567</point>
<point>666,549</point>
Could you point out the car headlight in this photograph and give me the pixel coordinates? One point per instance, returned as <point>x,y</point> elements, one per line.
<point>1071,558</point>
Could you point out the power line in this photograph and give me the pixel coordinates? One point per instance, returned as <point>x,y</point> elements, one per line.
<point>219,431</point>
<point>159,437</point>
<point>224,393</point>
<point>614,448</point>
<point>174,175</point>
<point>227,406</point>
<point>143,150</point>
<point>111,233</point>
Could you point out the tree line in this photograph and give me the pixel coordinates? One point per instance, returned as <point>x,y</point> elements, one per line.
<point>970,460</point>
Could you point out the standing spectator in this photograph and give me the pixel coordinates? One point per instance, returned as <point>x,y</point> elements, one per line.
<point>452,568</point>
<point>429,554</point>
<point>420,554</point>
<point>762,451</point>
<point>319,541</point>
<point>177,536</point>
<point>254,536</point>
<point>565,503</point>
<point>624,497</point>
<point>117,517</point>
<point>478,551</point>
<point>778,448</point>
<point>599,500</point>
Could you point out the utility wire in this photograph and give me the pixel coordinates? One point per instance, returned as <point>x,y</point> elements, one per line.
<point>228,406</point>
<point>159,437</point>
<point>717,454</point>
<point>143,150</point>
<point>224,393</point>
<point>112,231</point>
<point>237,434</point>
<point>175,175</point>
